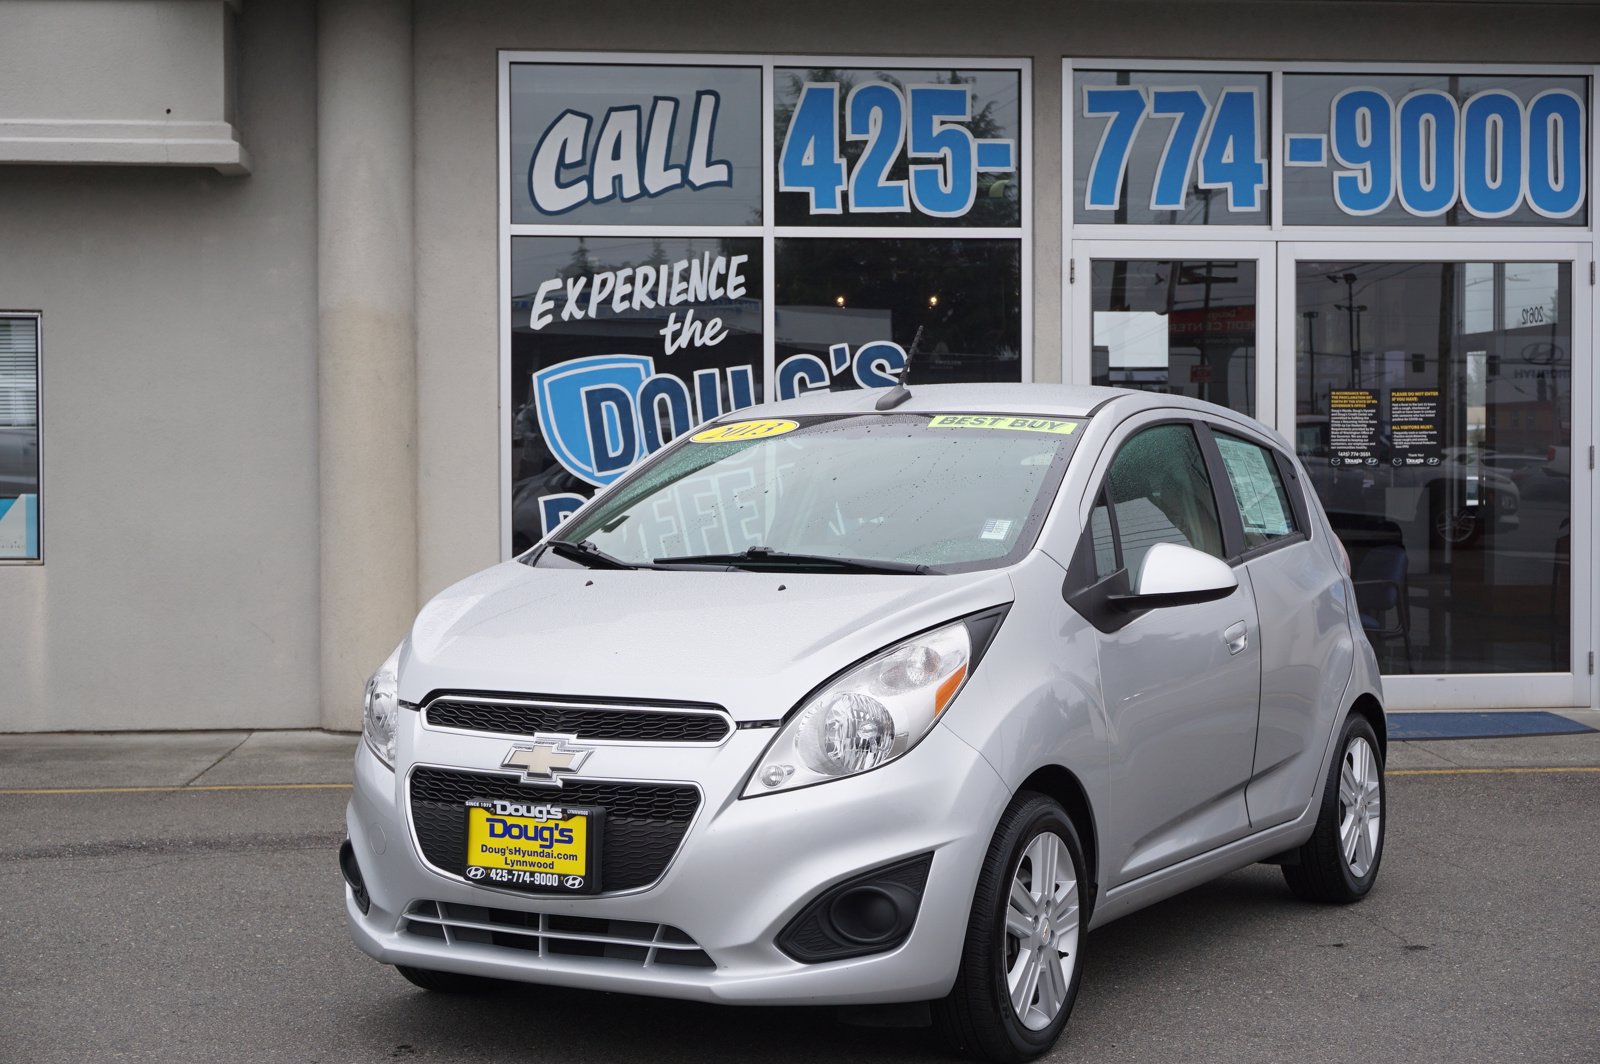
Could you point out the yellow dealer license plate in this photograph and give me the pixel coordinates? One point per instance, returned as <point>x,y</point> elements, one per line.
<point>532,845</point>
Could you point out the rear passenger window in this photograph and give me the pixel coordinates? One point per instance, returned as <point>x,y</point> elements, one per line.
<point>1160,493</point>
<point>1263,502</point>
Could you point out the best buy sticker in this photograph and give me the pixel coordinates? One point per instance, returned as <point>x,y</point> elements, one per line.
<point>744,430</point>
<point>990,421</point>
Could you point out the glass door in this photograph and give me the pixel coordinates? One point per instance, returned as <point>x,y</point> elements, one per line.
<point>1142,318</point>
<point>1441,399</point>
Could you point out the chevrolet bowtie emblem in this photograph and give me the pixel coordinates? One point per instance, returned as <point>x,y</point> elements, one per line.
<point>548,755</point>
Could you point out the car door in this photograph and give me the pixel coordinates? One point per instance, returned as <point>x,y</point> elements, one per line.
<point>1307,648</point>
<point>1180,684</point>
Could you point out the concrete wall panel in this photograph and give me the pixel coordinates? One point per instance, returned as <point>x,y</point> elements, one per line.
<point>179,424</point>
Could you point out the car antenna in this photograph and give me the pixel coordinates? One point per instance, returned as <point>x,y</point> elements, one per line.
<point>900,393</point>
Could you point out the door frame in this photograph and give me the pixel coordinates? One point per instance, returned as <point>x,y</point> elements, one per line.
<point>1487,690</point>
<point>1078,326</point>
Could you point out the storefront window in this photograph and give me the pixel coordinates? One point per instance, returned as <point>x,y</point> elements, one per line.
<point>618,346</point>
<point>849,311</point>
<point>621,144</point>
<point>659,276</point>
<point>19,437</point>
<point>1432,150</point>
<point>1434,413</point>
<point>1169,147</point>
<point>904,146</point>
<point>1180,327</point>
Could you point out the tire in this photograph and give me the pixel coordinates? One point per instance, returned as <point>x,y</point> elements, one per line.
<point>1456,526</point>
<point>978,1017</point>
<point>1325,870</point>
<point>448,982</point>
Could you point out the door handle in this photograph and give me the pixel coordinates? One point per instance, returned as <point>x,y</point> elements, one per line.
<point>1237,637</point>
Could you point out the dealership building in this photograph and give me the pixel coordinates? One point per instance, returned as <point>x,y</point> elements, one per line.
<point>308,310</point>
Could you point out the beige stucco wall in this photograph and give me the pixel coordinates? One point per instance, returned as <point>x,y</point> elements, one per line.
<point>457,42</point>
<point>179,423</point>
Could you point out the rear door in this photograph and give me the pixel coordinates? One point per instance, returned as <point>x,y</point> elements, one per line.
<point>1306,646</point>
<point>1180,683</point>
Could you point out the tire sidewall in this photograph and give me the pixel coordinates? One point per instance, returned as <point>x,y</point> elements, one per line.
<point>1046,815</point>
<point>1357,727</point>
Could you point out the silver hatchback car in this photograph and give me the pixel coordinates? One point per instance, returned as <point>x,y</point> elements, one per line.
<point>876,697</point>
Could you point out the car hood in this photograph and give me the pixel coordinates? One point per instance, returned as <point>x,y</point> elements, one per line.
<point>754,643</point>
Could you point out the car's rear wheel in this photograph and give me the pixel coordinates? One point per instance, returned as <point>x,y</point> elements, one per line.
<point>448,982</point>
<point>1339,863</point>
<point>1022,960</point>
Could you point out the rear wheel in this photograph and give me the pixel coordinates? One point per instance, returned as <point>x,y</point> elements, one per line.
<point>1021,964</point>
<point>448,982</point>
<point>1339,863</point>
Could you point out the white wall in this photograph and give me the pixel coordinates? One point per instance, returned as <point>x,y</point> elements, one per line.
<point>457,42</point>
<point>179,424</point>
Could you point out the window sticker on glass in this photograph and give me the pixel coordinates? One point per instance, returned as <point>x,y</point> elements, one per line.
<point>995,528</point>
<point>986,421</point>
<point>1262,502</point>
<point>744,430</point>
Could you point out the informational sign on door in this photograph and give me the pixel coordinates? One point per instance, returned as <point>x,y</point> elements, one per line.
<point>1414,426</point>
<point>1353,426</point>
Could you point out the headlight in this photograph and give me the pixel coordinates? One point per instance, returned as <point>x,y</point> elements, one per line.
<point>380,709</point>
<point>870,715</point>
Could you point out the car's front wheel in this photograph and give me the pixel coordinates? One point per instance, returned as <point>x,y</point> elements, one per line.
<point>1339,863</point>
<point>1024,950</point>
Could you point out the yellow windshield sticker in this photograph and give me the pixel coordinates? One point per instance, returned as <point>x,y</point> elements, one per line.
<point>739,431</point>
<point>990,421</point>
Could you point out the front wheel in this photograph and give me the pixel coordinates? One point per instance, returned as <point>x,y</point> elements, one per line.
<point>1339,863</point>
<point>1022,960</point>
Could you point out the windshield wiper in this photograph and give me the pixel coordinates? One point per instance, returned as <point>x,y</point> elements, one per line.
<point>761,556</point>
<point>586,553</point>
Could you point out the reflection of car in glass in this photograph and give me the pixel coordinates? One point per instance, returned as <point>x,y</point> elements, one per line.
<point>1458,500</point>
<point>1549,480</point>
<point>828,704</point>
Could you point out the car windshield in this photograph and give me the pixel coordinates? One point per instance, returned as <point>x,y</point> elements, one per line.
<point>891,492</point>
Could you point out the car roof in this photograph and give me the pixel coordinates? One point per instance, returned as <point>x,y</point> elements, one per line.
<point>1043,400</point>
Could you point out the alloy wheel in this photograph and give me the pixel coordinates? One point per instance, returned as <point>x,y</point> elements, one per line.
<point>1041,931</point>
<point>1360,807</point>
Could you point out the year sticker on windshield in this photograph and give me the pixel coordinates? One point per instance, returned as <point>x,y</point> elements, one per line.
<point>744,430</point>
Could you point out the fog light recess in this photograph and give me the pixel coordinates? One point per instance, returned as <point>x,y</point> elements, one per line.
<point>869,913</point>
<point>352,875</point>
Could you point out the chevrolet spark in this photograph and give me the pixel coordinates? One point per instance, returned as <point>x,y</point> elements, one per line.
<point>876,697</point>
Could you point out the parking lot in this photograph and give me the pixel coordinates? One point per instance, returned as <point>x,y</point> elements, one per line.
<point>190,924</point>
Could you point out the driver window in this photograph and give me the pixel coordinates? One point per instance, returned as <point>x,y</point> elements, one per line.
<point>1161,493</point>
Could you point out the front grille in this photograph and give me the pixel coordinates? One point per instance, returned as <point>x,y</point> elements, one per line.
<point>603,722</point>
<point>645,822</point>
<point>549,935</point>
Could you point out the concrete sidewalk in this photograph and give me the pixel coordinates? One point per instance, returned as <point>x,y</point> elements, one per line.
<point>277,758</point>
<point>175,759</point>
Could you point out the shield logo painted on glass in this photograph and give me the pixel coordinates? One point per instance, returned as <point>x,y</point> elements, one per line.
<point>588,413</point>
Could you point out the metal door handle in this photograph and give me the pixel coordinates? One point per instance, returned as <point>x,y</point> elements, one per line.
<point>1237,637</point>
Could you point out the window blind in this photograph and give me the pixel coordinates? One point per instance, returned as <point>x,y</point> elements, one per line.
<point>19,371</point>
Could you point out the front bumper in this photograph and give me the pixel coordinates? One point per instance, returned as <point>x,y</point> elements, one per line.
<point>744,870</point>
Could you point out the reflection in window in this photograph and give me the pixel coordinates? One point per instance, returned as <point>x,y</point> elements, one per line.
<point>1464,504</point>
<point>1184,328</point>
<point>850,310</point>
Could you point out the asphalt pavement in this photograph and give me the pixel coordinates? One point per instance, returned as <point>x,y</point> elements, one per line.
<point>180,903</point>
